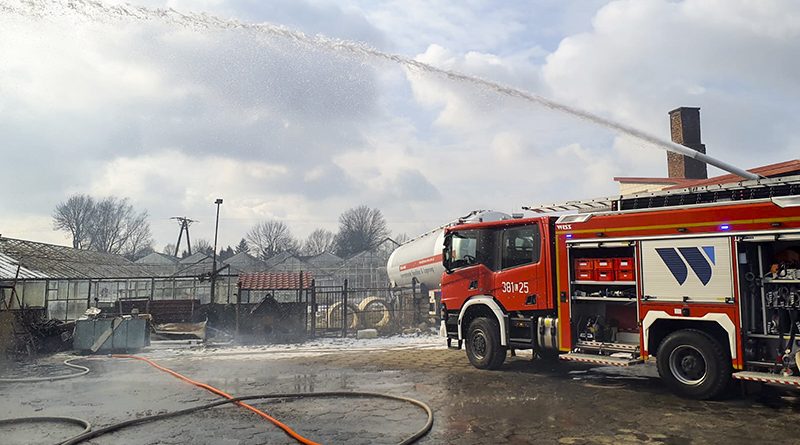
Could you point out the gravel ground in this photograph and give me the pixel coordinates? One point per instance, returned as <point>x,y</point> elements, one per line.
<point>527,401</point>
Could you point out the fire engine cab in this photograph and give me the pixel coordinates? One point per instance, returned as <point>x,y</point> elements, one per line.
<point>704,281</point>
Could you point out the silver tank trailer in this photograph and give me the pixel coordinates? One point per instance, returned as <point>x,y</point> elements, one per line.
<point>421,257</point>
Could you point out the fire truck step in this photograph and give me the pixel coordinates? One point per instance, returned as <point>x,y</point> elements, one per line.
<point>450,344</point>
<point>767,378</point>
<point>600,359</point>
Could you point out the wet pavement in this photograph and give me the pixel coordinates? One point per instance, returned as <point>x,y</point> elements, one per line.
<point>527,401</point>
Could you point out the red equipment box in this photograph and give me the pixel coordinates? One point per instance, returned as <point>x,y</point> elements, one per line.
<point>604,275</point>
<point>606,264</point>
<point>584,264</point>
<point>584,275</point>
<point>625,275</point>
<point>623,264</point>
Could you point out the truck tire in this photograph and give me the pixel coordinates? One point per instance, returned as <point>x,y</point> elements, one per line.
<point>483,344</point>
<point>693,364</point>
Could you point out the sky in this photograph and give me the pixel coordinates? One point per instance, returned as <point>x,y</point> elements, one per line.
<point>173,114</point>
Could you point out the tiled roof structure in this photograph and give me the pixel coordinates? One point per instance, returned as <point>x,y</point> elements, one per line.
<point>769,171</point>
<point>785,168</point>
<point>273,280</point>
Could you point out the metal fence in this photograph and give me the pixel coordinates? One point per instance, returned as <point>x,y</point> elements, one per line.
<point>342,310</point>
<point>275,314</point>
<point>327,311</point>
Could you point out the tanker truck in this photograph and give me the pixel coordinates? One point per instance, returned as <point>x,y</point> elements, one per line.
<point>419,260</point>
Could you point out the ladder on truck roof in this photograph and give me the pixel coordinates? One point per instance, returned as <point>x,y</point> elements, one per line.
<point>707,194</point>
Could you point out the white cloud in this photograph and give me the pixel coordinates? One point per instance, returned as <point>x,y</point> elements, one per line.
<point>733,59</point>
<point>174,117</point>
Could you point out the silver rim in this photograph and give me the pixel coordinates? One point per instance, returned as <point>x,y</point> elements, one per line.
<point>687,365</point>
<point>478,343</point>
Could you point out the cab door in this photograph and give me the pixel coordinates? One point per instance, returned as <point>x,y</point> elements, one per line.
<point>521,277</point>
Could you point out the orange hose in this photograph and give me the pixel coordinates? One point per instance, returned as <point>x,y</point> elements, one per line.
<point>219,392</point>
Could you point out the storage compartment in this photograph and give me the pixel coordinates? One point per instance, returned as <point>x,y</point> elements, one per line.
<point>770,294</point>
<point>608,323</point>
<point>603,303</point>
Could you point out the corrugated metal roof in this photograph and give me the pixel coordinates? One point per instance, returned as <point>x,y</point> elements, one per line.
<point>273,280</point>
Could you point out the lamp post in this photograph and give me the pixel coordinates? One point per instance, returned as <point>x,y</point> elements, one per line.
<point>218,202</point>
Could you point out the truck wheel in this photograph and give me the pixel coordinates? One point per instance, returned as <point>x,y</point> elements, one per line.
<point>693,364</point>
<point>483,344</point>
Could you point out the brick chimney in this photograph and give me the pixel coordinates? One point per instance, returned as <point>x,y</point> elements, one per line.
<point>684,123</point>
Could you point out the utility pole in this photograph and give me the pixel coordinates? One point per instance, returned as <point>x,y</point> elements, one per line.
<point>218,202</point>
<point>185,223</point>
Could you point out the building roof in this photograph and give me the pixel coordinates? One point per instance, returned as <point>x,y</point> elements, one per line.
<point>770,171</point>
<point>324,258</point>
<point>274,281</point>
<point>643,180</point>
<point>41,260</point>
<point>50,261</point>
<point>245,262</point>
<point>195,258</point>
<point>158,258</point>
<point>279,258</point>
<point>11,269</point>
<point>785,168</point>
<point>368,256</point>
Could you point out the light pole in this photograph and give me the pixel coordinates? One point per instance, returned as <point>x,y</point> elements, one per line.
<point>218,202</point>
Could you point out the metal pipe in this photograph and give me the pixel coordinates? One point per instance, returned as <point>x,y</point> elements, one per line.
<point>702,157</point>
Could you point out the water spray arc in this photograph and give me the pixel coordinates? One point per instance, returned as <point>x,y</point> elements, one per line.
<point>98,11</point>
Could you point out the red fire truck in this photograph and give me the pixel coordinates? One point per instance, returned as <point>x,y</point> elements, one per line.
<point>705,281</point>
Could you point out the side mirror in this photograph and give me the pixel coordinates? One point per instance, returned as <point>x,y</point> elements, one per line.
<point>446,257</point>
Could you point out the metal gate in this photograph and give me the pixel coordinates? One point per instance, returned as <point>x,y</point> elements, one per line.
<point>328,309</point>
<point>336,311</point>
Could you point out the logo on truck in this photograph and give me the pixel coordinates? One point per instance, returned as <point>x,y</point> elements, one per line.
<point>676,260</point>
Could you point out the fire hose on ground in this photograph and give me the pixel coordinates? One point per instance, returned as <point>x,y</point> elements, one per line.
<point>83,370</point>
<point>88,433</point>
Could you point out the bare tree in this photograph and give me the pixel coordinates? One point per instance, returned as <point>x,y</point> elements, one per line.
<point>139,243</point>
<point>74,216</point>
<point>108,225</point>
<point>115,223</point>
<point>360,228</point>
<point>319,241</point>
<point>202,246</point>
<point>271,237</point>
<point>169,249</point>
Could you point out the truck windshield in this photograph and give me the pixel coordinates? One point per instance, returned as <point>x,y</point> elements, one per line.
<point>470,247</point>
